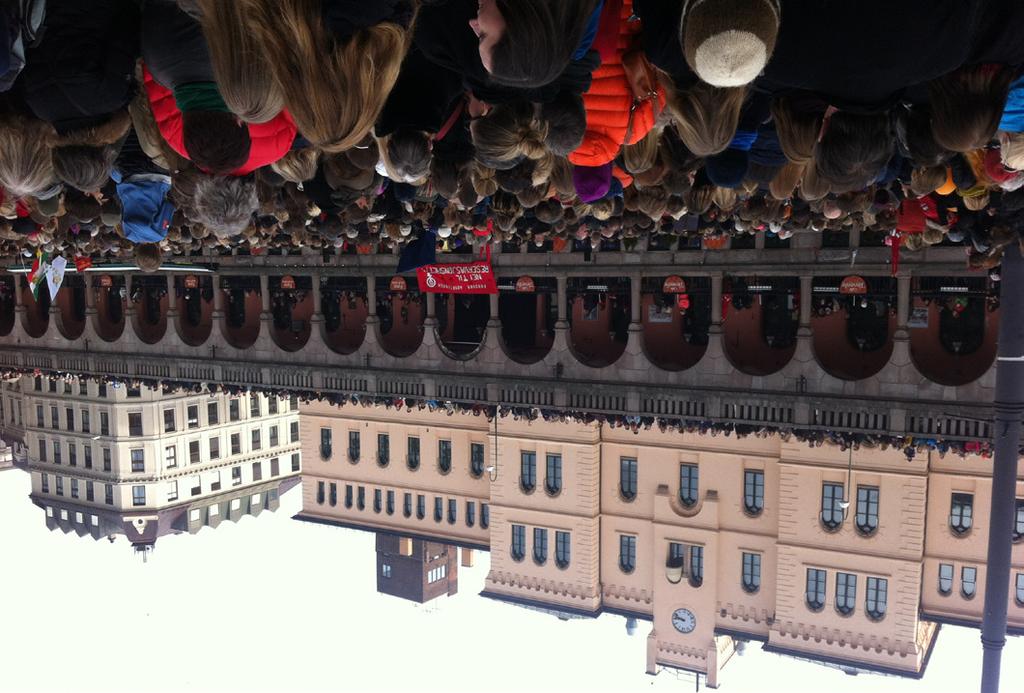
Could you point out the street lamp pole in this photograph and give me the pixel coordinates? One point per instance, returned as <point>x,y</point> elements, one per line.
<point>1009,407</point>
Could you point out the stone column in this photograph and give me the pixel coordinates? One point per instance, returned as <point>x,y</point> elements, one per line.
<point>218,300</point>
<point>804,336</point>
<point>902,301</point>
<point>562,283</point>
<point>431,308</point>
<point>854,237</point>
<point>318,313</point>
<point>172,302</point>
<point>716,302</point>
<point>265,296</point>
<point>371,296</point>
<point>806,296</point>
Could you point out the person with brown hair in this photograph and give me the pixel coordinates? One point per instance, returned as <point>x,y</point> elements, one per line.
<point>853,149</point>
<point>334,62</point>
<point>148,256</point>
<point>508,134</point>
<point>967,104</point>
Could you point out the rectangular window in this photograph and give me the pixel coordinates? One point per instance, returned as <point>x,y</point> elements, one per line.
<point>832,495</point>
<point>485,515</point>
<point>108,494</point>
<point>52,385</point>
<point>257,471</point>
<point>60,486</point>
<point>56,453</point>
<point>353,446</point>
<point>867,509</point>
<point>361,498</point>
<point>421,506</point>
<point>38,383</point>
<point>105,423</point>
<point>45,479</point>
<point>169,421</point>
<point>527,471</point>
<point>215,480</point>
<point>275,467</point>
<point>1019,595</point>
<point>470,513</point>
<point>540,546</point>
<point>72,454</point>
<point>171,456</point>
<point>518,542</point>
<point>348,495</point>
<point>751,572</point>
<point>753,491</point>
<point>106,460</point>
<point>385,570</point>
<point>256,442</point>
<point>42,450</point>
<point>236,476</point>
<point>83,388</point>
<point>321,489</point>
<point>272,405</point>
<point>196,484</point>
<point>90,494</point>
<point>214,446</point>
<point>295,462</point>
<point>876,597</point>
<point>945,578</point>
<point>254,406</point>
<point>138,460</point>
<point>69,417</point>
<point>961,512</point>
<point>383,449</point>
<point>74,488</point>
<point>233,410</point>
<point>54,418</point>
<point>627,478</point>
<point>326,447</point>
<point>438,509</point>
<point>293,431</point>
<point>274,442</point>
<point>444,456</point>
<point>407,504</point>
<point>212,414</point>
<point>846,593</point>
<point>172,491</point>
<point>453,510</point>
<point>1018,519</point>
<point>696,566</point>
<point>40,416</point>
<point>194,456</point>
<point>293,403</point>
<point>563,549</point>
<point>134,391</point>
<point>86,427</point>
<point>236,444</point>
<point>476,459</point>
<point>553,477</point>
<point>138,495</point>
<point>815,589</point>
<point>135,423</point>
<point>192,415</point>
<point>87,456</point>
<point>968,581</point>
<point>412,452</point>
<point>102,389</point>
<point>689,484</point>
<point>627,553</point>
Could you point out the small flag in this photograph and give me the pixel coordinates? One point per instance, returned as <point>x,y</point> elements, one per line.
<point>55,275</point>
<point>82,263</point>
<point>38,272</point>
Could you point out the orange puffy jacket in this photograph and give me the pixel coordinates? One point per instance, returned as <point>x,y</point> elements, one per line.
<point>610,98</point>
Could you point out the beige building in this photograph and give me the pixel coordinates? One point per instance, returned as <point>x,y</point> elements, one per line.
<point>108,460</point>
<point>853,559</point>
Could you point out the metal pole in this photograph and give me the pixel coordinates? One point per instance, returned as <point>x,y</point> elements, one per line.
<point>1009,407</point>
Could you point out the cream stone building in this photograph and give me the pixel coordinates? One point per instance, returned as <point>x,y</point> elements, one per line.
<point>108,460</point>
<point>853,559</point>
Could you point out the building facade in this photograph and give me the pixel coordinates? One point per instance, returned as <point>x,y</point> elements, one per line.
<point>108,460</point>
<point>852,558</point>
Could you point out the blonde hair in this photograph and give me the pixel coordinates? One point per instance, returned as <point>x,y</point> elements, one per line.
<point>813,186</point>
<point>243,76</point>
<point>1011,149</point>
<point>642,156</point>
<point>706,117</point>
<point>785,181</point>
<point>484,182</point>
<point>508,132</point>
<point>924,181</point>
<point>333,91</point>
<point>26,163</point>
<point>798,130</point>
<point>724,198</point>
<point>298,165</point>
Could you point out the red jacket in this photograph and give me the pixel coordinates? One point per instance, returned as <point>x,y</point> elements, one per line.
<point>270,141</point>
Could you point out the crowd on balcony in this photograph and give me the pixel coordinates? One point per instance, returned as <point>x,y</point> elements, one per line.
<point>152,128</point>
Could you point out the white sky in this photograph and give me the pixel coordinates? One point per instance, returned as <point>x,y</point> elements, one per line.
<point>271,604</point>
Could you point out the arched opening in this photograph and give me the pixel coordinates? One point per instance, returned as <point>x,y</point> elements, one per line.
<point>8,304</point>
<point>953,326</point>
<point>853,320</point>
<point>193,296</point>
<point>149,296</point>
<point>401,309</point>
<point>71,304</point>
<point>343,301</point>
<point>760,317</point>
<point>291,309</point>
<point>462,322</point>
<point>599,315</point>
<point>111,301</point>
<point>676,316</point>
<point>528,310</point>
<point>243,304</point>
<point>37,309</point>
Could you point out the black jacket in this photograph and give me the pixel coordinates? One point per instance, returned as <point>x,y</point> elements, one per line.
<point>422,98</point>
<point>998,31</point>
<point>862,55</point>
<point>443,35</point>
<point>173,46</point>
<point>659,37</point>
<point>345,18</point>
<point>83,68</point>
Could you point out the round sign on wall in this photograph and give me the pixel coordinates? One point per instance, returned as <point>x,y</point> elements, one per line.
<point>191,282</point>
<point>853,285</point>
<point>106,281</point>
<point>398,284</point>
<point>287,282</point>
<point>674,285</point>
<point>525,285</point>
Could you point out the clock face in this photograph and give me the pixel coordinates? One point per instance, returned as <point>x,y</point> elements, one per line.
<point>684,620</point>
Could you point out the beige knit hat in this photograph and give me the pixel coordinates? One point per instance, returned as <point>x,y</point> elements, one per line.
<point>729,42</point>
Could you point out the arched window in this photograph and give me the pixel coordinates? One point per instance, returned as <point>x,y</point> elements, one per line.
<point>563,553</point>
<point>627,553</point>
<point>383,449</point>
<point>527,471</point>
<point>876,598</point>
<point>334,494</point>
<point>412,452</point>
<point>485,515</point>
<point>1020,589</point>
<point>390,506</point>
<point>453,511</point>
<point>438,509</point>
<point>444,456</point>
<point>325,443</point>
<point>540,546</point>
<point>815,589</point>
<point>753,491</point>
<point>361,498</point>
<point>1018,520</point>
<point>553,478</point>
<point>627,478</point>
<point>476,459</point>
<point>961,512</point>
<point>945,578</point>
<point>470,513</point>
<point>353,446</point>
<point>407,505</point>
<point>696,566</point>
<point>968,582</point>
<point>421,506</point>
<point>689,484</point>
<point>831,510</point>
<point>867,509</point>
<point>518,542</point>
<point>751,572</point>
<point>846,593</point>
<point>377,502</point>
<point>320,491</point>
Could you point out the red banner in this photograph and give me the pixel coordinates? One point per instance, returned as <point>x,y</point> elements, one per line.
<point>458,278</point>
<point>853,285</point>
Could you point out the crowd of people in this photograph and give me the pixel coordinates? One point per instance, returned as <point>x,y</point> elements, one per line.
<point>153,128</point>
<point>910,445</point>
